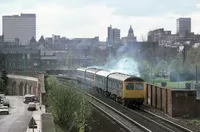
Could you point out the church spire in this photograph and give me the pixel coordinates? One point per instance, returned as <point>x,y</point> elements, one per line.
<point>130,31</point>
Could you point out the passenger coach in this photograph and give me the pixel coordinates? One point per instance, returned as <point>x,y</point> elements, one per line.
<point>128,89</point>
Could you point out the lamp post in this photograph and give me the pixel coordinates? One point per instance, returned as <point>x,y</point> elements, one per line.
<point>24,60</point>
<point>196,74</point>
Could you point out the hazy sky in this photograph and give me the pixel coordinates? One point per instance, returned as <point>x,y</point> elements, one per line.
<point>89,18</point>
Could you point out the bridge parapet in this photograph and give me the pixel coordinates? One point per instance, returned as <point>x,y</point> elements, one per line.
<point>26,73</point>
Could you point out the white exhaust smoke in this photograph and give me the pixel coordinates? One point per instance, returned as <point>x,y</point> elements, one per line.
<point>123,62</point>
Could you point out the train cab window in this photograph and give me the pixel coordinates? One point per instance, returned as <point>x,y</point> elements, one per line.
<point>139,86</point>
<point>130,86</point>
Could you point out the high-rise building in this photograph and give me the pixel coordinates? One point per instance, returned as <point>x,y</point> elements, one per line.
<point>183,26</point>
<point>113,36</point>
<point>21,28</point>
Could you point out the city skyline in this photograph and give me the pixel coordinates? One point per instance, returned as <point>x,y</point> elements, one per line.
<point>68,18</point>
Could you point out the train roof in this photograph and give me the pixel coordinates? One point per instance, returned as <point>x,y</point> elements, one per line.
<point>124,77</point>
<point>81,69</point>
<point>92,70</point>
<point>103,73</point>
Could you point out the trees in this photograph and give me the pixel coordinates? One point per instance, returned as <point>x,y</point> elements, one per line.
<point>2,86</point>
<point>145,70</point>
<point>68,106</point>
<point>184,69</point>
<point>193,56</point>
<point>4,77</point>
<point>3,81</point>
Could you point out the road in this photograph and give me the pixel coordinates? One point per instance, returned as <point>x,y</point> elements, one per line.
<point>19,117</point>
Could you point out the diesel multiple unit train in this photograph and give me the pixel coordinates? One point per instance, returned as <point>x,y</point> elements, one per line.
<point>127,89</point>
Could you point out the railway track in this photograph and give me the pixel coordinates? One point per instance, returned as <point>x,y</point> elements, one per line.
<point>128,118</point>
<point>149,120</point>
<point>127,123</point>
<point>171,125</point>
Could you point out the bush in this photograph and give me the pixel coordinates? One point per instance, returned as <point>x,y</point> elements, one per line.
<point>67,105</point>
<point>163,84</point>
<point>188,85</point>
<point>2,86</point>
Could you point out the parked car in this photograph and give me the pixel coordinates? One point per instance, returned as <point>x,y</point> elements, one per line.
<point>6,102</point>
<point>31,106</point>
<point>29,98</point>
<point>4,110</point>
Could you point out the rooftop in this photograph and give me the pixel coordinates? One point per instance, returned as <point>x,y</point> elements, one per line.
<point>21,15</point>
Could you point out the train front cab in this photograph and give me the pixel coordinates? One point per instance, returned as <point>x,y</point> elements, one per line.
<point>134,93</point>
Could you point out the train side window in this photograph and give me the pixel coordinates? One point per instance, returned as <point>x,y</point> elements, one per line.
<point>139,86</point>
<point>120,85</point>
<point>116,84</point>
<point>129,86</point>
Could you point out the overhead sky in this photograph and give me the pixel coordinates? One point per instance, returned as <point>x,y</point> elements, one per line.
<point>89,18</point>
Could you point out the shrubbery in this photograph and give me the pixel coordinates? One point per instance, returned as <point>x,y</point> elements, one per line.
<point>67,105</point>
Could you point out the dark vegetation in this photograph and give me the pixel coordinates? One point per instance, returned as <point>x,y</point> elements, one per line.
<point>3,81</point>
<point>168,64</point>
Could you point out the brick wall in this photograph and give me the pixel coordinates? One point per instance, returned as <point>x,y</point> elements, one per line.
<point>174,102</point>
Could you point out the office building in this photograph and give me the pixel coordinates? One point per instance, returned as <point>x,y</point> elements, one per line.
<point>183,26</point>
<point>21,28</point>
<point>113,36</point>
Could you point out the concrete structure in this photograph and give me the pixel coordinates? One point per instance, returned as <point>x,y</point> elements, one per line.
<point>48,59</point>
<point>20,57</point>
<point>183,26</point>
<point>30,57</point>
<point>183,35</point>
<point>130,39</point>
<point>19,28</point>
<point>113,36</point>
<point>21,85</point>
<point>29,83</point>
<point>161,36</point>
<point>47,124</point>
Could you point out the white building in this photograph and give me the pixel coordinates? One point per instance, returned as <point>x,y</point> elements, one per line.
<point>113,36</point>
<point>183,26</point>
<point>21,28</point>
